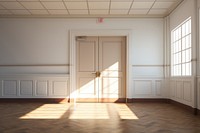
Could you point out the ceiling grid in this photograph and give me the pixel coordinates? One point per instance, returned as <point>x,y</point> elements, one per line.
<point>87,8</point>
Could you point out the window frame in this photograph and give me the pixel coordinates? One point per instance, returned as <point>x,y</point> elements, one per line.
<point>181,49</point>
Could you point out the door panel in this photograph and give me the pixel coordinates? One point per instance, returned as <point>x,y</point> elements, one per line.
<point>111,87</point>
<point>112,66</point>
<point>110,55</point>
<point>107,56</point>
<point>87,59</point>
<point>87,65</point>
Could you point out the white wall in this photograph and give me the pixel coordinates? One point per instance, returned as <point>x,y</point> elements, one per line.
<point>46,41</point>
<point>183,89</point>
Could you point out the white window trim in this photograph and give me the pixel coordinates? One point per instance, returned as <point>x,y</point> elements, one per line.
<point>171,54</point>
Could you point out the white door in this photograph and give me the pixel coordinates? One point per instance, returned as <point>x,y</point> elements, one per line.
<point>100,69</point>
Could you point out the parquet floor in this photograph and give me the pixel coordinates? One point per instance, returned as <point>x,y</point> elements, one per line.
<point>96,118</point>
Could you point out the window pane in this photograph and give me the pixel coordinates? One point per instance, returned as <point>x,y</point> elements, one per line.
<point>175,59</point>
<point>187,41</point>
<point>183,30</point>
<point>183,56</point>
<point>190,41</point>
<point>183,69</point>
<point>179,33</point>
<point>179,58</point>
<point>188,69</point>
<point>189,26</point>
<point>179,45</point>
<point>179,70</point>
<point>176,70</point>
<point>176,35</point>
<point>188,55</point>
<point>183,43</point>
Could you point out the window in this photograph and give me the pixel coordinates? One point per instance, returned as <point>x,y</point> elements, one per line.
<point>181,49</point>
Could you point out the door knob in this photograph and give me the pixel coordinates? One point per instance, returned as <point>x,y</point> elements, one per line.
<point>98,74</point>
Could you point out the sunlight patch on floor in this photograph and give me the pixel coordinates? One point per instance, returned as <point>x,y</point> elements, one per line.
<point>124,112</point>
<point>89,111</point>
<point>47,111</point>
<point>81,111</point>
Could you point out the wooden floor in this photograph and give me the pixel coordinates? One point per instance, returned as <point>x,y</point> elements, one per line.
<point>96,118</point>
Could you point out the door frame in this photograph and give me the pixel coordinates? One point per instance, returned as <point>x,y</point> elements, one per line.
<point>72,42</point>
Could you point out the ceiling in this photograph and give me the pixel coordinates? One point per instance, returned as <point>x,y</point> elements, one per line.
<point>87,8</point>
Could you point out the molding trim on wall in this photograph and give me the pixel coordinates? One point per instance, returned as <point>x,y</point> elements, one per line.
<point>160,100</point>
<point>148,65</point>
<point>34,100</point>
<point>33,65</point>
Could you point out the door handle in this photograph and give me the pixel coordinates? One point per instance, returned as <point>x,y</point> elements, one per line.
<point>97,74</point>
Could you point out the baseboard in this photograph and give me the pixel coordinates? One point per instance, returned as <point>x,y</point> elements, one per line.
<point>60,100</point>
<point>35,100</point>
<point>195,111</point>
<point>186,107</point>
<point>160,100</point>
<point>102,100</point>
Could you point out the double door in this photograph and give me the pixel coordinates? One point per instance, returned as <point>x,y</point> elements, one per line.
<point>100,69</point>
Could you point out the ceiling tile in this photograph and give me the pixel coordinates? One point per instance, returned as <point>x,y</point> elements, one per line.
<point>121,0</point>
<point>168,0</point>
<point>99,12</point>
<point>99,5</point>
<point>100,0</point>
<point>52,0</point>
<point>163,4</point>
<point>144,0</point>
<point>142,5</point>
<point>75,0</point>
<point>27,0</point>
<point>157,11</point>
<point>139,12</point>
<point>39,12</point>
<point>58,12</point>
<point>78,12</point>
<point>20,12</point>
<point>54,5</point>
<point>11,5</point>
<point>119,12</point>
<point>8,0</point>
<point>32,5</point>
<point>120,5</point>
<point>76,5</point>
<point>1,7</point>
<point>5,12</point>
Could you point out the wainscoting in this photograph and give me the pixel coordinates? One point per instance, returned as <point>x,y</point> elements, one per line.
<point>198,93</point>
<point>34,86</point>
<point>148,81</point>
<point>182,90</point>
<point>148,88</point>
